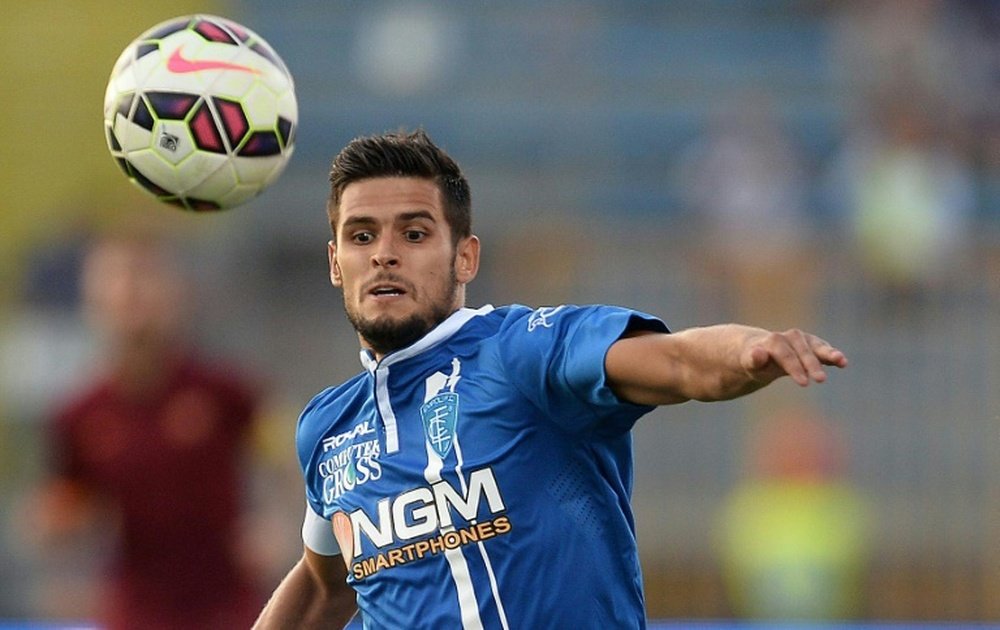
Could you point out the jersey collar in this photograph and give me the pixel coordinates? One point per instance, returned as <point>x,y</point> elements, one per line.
<point>439,333</point>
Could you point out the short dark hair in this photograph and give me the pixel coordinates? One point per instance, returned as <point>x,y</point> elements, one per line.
<point>403,154</point>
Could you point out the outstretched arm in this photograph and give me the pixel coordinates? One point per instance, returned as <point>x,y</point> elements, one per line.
<point>713,363</point>
<point>314,594</point>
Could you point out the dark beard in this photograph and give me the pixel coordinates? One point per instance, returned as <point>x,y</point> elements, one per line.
<point>385,335</point>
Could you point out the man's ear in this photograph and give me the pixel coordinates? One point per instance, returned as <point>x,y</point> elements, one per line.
<point>467,259</point>
<point>335,277</point>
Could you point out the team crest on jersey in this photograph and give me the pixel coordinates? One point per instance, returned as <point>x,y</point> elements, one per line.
<point>439,412</point>
<point>440,415</point>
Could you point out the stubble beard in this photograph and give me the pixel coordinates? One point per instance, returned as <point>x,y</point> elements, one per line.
<point>385,334</point>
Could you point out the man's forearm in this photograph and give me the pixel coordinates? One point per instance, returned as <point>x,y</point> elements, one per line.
<point>712,360</point>
<point>714,363</point>
<point>302,601</point>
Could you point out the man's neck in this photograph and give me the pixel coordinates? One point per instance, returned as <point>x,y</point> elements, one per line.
<point>141,369</point>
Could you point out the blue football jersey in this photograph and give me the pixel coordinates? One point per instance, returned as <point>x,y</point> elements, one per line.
<point>481,477</point>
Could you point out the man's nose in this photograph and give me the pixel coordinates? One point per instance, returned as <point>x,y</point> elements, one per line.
<point>385,255</point>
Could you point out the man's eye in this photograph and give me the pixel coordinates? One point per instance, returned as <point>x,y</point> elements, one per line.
<point>414,236</point>
<point>363,237</point>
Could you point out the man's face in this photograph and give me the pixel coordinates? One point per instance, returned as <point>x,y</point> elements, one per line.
<point>133,294</point>
<point>394,259</point>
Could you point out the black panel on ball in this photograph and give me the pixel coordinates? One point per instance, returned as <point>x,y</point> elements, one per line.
<point>145,48</point>
<point>285,129</point>
<point>267,53</point>
<point>261,143</point>
<point>112,139</point>
<point>169,28</point>
<point>124,165</point>
<point>142,117</point>
<point>125,104</point>
<point>171,105</point>
<point>202,205</point>
<point>146,183</point>
<point>237,30</point>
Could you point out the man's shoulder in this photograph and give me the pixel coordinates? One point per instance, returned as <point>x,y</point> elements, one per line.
<point>518,318</point>
<point>223,377</point>
<point>509,324</point>
<point>338,395</point>
<point>500,318</point>
<point>336,405</point>
<point>490,327</point>
<point>79,403</point>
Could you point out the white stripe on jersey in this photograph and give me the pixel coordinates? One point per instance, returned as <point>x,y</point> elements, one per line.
<point>384,406</point>
<point>467,601</point>
<point>468,605</point>
<point>482,547</point>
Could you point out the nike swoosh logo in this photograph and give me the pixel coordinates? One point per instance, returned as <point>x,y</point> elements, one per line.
<point>177,64</point>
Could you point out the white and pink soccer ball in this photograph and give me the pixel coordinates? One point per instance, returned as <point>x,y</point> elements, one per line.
<point>201,113</point>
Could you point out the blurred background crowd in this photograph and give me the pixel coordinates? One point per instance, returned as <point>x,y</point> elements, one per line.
<point>828,165</point>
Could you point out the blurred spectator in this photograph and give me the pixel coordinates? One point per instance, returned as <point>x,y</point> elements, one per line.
<point>909,198</point>
<point>944,52</point>
<point>151,452</point>
<point>923,76</point>
<point>745,181</point>
<point>792,537</point>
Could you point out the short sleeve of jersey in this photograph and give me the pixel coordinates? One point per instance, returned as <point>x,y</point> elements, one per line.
<point>317,534</point>
<point>555,357</point>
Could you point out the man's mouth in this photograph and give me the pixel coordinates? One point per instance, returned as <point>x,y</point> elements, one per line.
<point>386,290</point>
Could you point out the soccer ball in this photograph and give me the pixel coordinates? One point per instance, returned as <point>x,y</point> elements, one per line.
<point>201,113</point>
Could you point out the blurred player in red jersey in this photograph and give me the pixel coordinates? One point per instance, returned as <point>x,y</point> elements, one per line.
<point>154,446</point>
